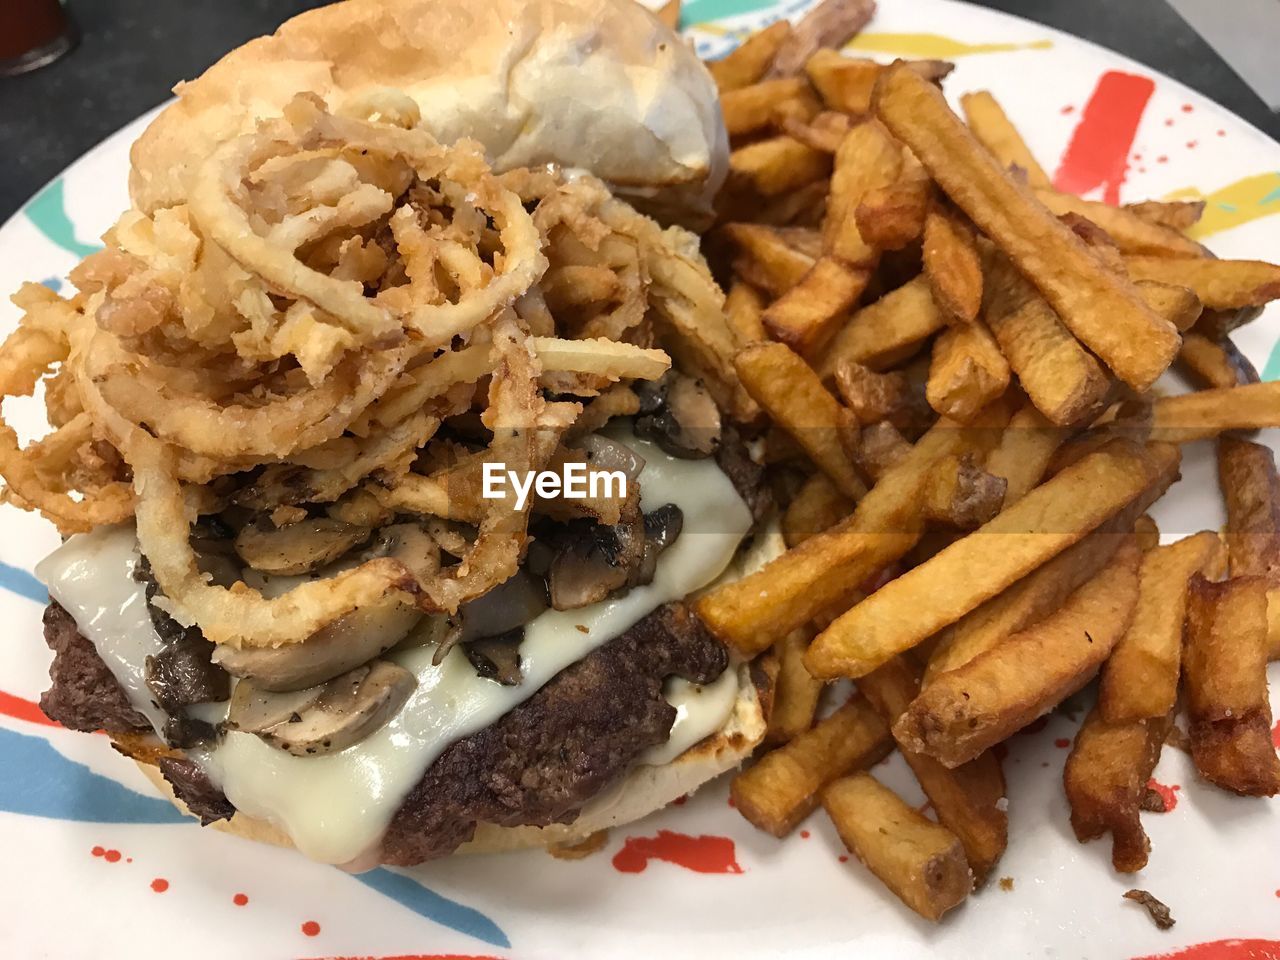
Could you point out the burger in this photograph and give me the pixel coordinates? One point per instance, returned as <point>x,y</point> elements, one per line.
<point>395,251</point>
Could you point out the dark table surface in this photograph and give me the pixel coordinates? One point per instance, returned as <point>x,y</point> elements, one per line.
<point>133,51</point>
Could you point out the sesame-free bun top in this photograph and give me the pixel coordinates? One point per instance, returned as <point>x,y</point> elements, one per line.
<point>600,85</point>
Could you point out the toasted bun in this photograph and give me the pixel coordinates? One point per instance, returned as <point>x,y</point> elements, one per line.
<point>644,790</point>
<point>599,85</point>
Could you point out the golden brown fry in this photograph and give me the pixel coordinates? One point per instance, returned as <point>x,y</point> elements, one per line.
<point>808,314</point>
<point>804,207</point>
<point>997,133</point>
<point>874,397</point>
<point>1175,214</point>
<point>765,104</point>
<point>1214,364</point>
<point>893,216</point>
<point>961,494</point>
<point>1197,416</point>
<point>1220,284</point>
<point>744,312</point>
<point>749,62</point>
<point>1130,232</point>
<point>831,23</point>
<point>821,572</point>
<point>1102,309</point>
<point>921,862</point>
<point>1225,678</point>
<point>1251,488</point>
<point>1177,304</point>
<point>1140,681</point>
<point>1105,778</point>
<point>966,800</point>
<point>952,264</point>
<point>816,507</point>
<point>972,708</point>
<point>1060,377</point>
<point>1057,514</point>
<point>845,83</point>
<point>880,448</point>
<point>825,131</point>
<point>868,158</point>
<point>795,693</point>
<point>1023,452</point>
<point>777,165</point>
<point>885,332</point>
<point>764,257</point>
<point>1147,532</point>
<point>781,788</point>
<point>669,13</point>
<point>791,393</point>
<point>968,371</point>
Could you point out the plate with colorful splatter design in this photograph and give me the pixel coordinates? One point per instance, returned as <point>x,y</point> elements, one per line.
<point>96,865</point>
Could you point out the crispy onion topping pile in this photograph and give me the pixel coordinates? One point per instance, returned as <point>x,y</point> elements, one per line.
<point>304,340</point>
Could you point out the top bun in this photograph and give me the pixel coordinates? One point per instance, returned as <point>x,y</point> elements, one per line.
<point>600,85</point>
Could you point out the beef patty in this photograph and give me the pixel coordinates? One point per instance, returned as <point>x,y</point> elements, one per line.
<point>537,765</point>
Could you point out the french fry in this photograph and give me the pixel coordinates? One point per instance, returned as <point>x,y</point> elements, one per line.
<point>765,259</point>
<point>1048,520</point>
<point>1251,487</point>
<point>765,104</point>
<point>1022,455</point>
<point>1131,233</point>
<point>805,207</point>
<point>744,312</point>
<point>777,165</point>
<point>669,13</point>
<point>886,331</point>
<point>962,495</point>
<point>781,788</point>
<point>816,507</point>
<point>922,862</point>
<point>1140,681</point>
<point>1179,215</point>
<point>1214,364</point>
<point>808,314</point>
<point>795,693</point>
<point>831,23</point>
<point>791,393</point>
<point>894,215</point>
<point>966,800</point>
<point>845,83</point>
<point>1028,601</point>
<point>1102,309</point>
<point>1105,777</point>
<point>1218,324</point>
<point>1177,304</point>
<point>1147,532</point>
<point>1220,284</point>
<point>967,372</point>
<point>994,131</point>
<point>952,264</point>
<point>880,448</point>
<point>821,572</point>
<point>1207,413</point>
<point>749,62</point>
<point>1225,678</point>
<point>872,396</point>
<point>867,159</point>
<point>970,709</point>
<point>824,131</point>
<point>1059,376</point>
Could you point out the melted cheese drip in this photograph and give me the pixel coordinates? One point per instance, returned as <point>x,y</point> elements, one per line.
<point>701,709</point>
<point>336,807</point>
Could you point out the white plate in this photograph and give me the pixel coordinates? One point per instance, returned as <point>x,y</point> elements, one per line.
<point>95,866</point>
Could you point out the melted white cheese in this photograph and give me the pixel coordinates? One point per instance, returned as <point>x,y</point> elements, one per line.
<point>701,710</point>
<point>336,807</point>
<point>91,576</point>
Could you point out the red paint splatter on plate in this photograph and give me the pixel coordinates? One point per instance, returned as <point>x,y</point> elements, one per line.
<point>311,928</point>
<point>1187,108</point>
<point>111,856</point>
<point>844,858</point>
<point>1192,144</point>
<point>1275,735</point>
<point>1169,793</point>
<point>1035,726</point>
<point>98,851</point>
<point>1097,155</point>
<point>1062,743</point>
<point>21,709</point>
<point>681,800</point>
<point>804,834</point>
<point>703,854</point>
<point>159,884</point>
<point>1223,950</point>
<point>240,899</point>
<point>1069,108</point>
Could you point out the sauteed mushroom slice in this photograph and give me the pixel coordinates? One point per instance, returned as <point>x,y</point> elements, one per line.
<point>678,414</point>
<point>346,643</point>
<point>497,658</point>
<point>328,718</point>
<point>299,547</point>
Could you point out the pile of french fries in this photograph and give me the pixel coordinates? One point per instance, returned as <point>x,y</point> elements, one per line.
<point>953,365</point>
